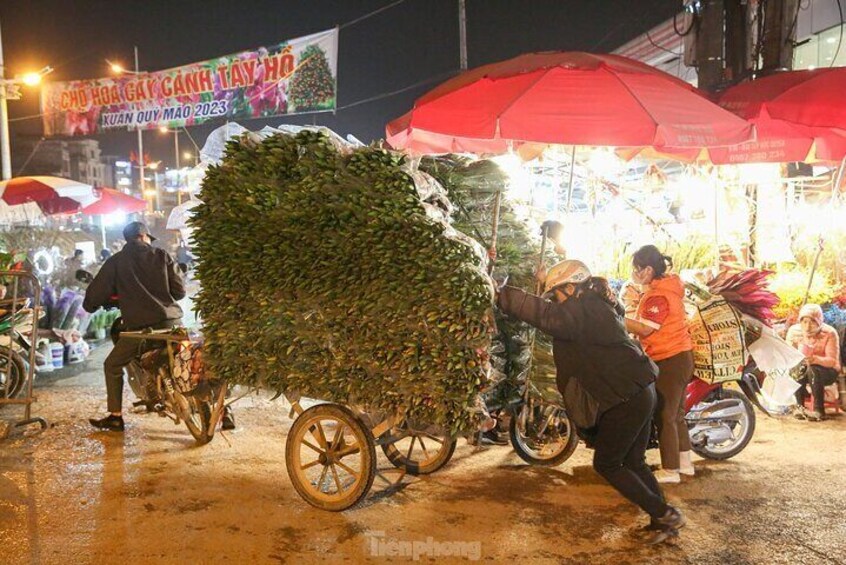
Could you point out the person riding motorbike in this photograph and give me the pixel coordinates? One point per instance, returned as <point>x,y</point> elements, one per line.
<point>149,285</point>
<point>606,379</point>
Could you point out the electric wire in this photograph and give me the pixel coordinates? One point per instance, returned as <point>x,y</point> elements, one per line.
<point>432,79</point>
<point>689,28</point>
<point>840,39</point>
<point>662,48</point>
<point>370,14</point>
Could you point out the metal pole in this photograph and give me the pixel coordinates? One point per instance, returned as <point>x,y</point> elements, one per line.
<point>176,155</point>
<point>572,170</point>
<point>5,150</point>
<point>495,229</point>
<point>141,149</point>
<point>462,34</point>
<point>821,246</point>
<point>158,191</point>
<point>716,225</point>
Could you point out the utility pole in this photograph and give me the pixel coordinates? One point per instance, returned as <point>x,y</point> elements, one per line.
<point>710,36</point>
<point>738,46</point>
<point>5,149</point>
<point>462,34</point>
<point>779,33</point>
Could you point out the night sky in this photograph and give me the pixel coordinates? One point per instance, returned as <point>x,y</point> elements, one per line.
<point>411,43</point>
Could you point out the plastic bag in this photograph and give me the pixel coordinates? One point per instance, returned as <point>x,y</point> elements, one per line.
<point>771,353</point>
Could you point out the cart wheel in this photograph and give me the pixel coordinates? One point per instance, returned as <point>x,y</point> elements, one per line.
<point>331,457</point>
<point>419,450</point>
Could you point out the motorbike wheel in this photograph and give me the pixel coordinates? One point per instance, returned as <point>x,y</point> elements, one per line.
<point>554,446</point>
<point>12,373</point>
<point>197,416</point>
<point>400,451</point>
<point>742,437</point>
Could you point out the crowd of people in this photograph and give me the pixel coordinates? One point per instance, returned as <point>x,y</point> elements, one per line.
<point>631,357</point>
<point>621,361</point>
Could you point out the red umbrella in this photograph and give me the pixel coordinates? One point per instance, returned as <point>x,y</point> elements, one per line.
<point>808,98</point>
<point>794,112</point>
<point>113,201</point>
<point>568,98</point>
<point>54,195</point>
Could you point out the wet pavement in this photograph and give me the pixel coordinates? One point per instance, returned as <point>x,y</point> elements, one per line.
<point>72,495</point>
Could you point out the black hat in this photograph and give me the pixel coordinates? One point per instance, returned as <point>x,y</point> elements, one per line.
<point>134,230</point>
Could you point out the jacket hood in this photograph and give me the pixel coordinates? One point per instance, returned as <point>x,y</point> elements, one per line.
<point>671,284</point>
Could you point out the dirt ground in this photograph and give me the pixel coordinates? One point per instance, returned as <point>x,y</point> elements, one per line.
<point>73,495</point>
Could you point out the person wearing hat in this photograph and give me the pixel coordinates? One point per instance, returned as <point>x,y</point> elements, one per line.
<point>615,377</point>
<point>820,345</point>
<point>148,284</point>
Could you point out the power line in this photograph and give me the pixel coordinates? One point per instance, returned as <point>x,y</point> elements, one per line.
<point>370,14</point>
<point>840,39</point>
<point>429,80</point>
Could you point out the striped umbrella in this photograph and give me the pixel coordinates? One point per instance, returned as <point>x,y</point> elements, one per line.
<point>54,195</point>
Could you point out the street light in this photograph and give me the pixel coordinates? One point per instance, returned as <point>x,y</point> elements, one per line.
<point>10,90</point>
<point>31,79</point>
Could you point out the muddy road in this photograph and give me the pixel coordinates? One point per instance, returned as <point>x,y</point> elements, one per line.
<point>73,495</point>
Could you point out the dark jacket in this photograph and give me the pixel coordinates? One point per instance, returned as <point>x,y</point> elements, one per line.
<point>590,343</point>
<point>146,281</point>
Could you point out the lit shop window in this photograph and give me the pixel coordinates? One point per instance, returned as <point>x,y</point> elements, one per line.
<point>825,49</point>
<point>831,49</point>
<point>806,56</point>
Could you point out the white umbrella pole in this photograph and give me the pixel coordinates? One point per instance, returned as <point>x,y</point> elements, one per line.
<point>103,230</point>
<point>570,188</point>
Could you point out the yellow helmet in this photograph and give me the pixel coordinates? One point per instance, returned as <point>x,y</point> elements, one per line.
<point>570,271</point>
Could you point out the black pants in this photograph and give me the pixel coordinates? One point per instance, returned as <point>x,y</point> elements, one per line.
<point>819,377</point>
<point>620,456</point>
<point>124,351</point>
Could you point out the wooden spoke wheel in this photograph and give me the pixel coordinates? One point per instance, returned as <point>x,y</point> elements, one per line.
<point>419,450</point>
<point>331,457</point>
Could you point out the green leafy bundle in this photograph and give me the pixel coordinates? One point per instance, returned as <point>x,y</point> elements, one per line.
<point>327,271</point>
<point>472,187</point>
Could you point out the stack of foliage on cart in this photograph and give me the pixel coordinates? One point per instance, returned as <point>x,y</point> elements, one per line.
<point>333,272</point>
<point>517,349</point>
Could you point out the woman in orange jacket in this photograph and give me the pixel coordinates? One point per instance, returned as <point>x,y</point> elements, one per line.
<point>661,323</point>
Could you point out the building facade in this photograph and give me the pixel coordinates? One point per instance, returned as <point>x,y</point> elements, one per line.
<point>820,41</point>
<point>77,159</point>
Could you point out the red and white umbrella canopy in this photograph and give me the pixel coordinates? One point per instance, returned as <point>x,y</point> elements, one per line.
<point>54,195</point>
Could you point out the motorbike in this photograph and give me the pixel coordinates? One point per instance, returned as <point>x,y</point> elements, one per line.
<point>164,381</point>
<point>14,346</point>
<point>721,420</point>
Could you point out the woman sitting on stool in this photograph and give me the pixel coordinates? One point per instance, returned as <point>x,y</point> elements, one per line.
<point>820,345</point>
